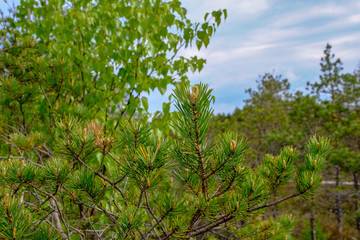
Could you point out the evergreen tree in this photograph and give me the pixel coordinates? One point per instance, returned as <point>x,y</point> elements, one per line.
<point>333,111</point>
<point>349,123</point>
<point>339,117</point>
<point>265,115</point>
<point>320,234</point>
<point>331,84</point>
<point>135,185</point>
<point>330,81</point>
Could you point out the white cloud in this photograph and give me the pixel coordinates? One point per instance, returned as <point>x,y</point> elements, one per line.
<point>246,51</point>
<point>243,7</point>
<point>354,18</point>
<point>289,40</point>
<point>190,52</point>
<point>269,34</point>
<point>236,8</point>
<point>219,56</point>
<point>345,47</point>
<point>306,14</point>
<point>346,39</point>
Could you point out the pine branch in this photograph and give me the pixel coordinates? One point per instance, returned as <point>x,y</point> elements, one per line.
<point>273,203</point>
<point>58,209</point>
<point>216,169</point>
<point>97,173</point>
<point>217,194</point>
<point>159,221</point>
<point>189,164</point>
<point>206,228</point>
<point>198,151</point>
<point>151,211</point>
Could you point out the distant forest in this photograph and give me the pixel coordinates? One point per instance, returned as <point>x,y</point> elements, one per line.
<point>273,118</point>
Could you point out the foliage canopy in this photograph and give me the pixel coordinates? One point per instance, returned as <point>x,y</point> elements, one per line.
<point>77,164</point>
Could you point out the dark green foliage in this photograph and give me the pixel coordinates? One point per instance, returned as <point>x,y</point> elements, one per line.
<point>45,233</point>
<point>16,222</point>
<point>264,119</point>
<point>16,172</point>
<point>270,229</point>
<point>273,118</point>
<point>320,234</point>
<point>56,171</point>
<point>15,219</point>
<point>330,81</point>
<point>84,180</point>
<point>160,187</point>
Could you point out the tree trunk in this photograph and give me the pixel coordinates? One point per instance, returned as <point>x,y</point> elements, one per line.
<point>55,217</point>
<point>338,201</point>
<point>357,208</point>
<point>312,220</point>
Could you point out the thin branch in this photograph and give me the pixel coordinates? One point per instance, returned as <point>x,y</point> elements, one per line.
<point>273,203</point>
<point>57,206</point>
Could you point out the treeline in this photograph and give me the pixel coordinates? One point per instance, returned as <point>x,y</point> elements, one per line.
<point>274,117</point>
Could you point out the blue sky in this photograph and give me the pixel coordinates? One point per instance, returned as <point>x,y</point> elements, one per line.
<point>286,37</point>
<point>259,36</point>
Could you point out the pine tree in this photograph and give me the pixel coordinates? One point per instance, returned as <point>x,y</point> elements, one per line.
<point>136,185</point>
<point>266,114</point>
<point>331,81</point>
<point>330,92</point>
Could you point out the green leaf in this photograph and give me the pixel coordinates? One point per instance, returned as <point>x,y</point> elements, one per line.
<point>201,35</point>
<point>153,49</point>
<point>169,19</point>
<point>206,16</point>
<point>187,34</point>
<point>162,89</point>
<point>206,41</point>
<point>225,13</point>
<point>166,107</point>
<point>145,104</point>
<point>198,44</point>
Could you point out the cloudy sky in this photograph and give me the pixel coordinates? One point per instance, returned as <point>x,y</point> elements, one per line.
<point>280,36</point>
